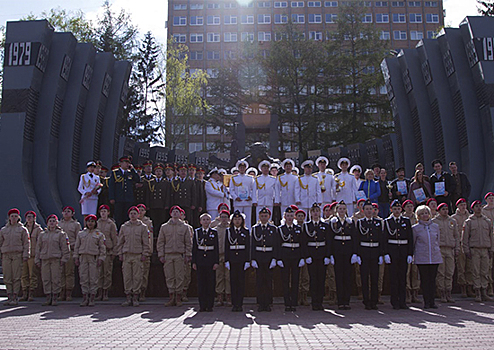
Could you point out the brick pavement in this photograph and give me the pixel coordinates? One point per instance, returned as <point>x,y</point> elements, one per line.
<point>466,325</point>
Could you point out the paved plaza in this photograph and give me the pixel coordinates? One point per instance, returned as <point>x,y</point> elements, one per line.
<point>466,325</point>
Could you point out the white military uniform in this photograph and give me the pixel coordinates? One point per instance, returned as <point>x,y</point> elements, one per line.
<point>243,186</point>
<point>89,201</point>
<point>347,192</point>
<point>265,193</point>
<point>329,184</point>
<point>309,191</point>
<point>286,191</point>
<point>215,195</point>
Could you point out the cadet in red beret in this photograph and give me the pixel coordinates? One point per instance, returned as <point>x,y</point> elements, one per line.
<point>109,229</point>
<point>30,271</point>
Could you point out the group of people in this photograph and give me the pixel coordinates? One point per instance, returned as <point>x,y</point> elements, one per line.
<point>332,225</point>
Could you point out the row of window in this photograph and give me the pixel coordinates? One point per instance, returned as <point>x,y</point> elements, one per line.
<point>284,4</point>
<point>300,18</point>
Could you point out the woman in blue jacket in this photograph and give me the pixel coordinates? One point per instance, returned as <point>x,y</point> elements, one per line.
<point>370,187</point>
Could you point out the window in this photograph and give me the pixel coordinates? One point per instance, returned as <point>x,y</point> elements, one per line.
<point>196,20</point>
<point>431,34</point>
<point>415,18</point>
<point>399,18</point>
<point>366,3</point>
<point>430,4</point>
<point>384,35</point>
<point>400,35</point>
<point>297,4</point>
<point>315,18</point>
<point>265,53</point>
<point>432,18</point>
<point>196,55</point>
<point>398,3</point>
<point>195,129</point>
<point>382,18</point>
<point>280,4</point>
<point>196,6</point>
<point>213,6</point>
<point>213,130</point>
<point>179,21</point>
<point>314,4</point>
<point>247,19</point>
<point>298,18</point>
<point>212,73</point>
<point>213,37</point>
<point>195,147</point>
<point>230,5</point>
<point>280,19</point>
<point>264,19</point>
<point>196,38</point>
<point>414,4</point>
<point>315,35</point>
<point>331,17</point>
<point>230,55</point>
<point>180,38</point>
<point>247,36</point>
<point>264,4</point>
<point>213,55</point>
<point>264,36</point>
<point>416,35</point>
<point>230,19</point>
<point>230,37</point>
<point>213,20</point>
<point>381,4</point>
<point>180,7</point>
<point>367,18</point>
<point>330,3</point>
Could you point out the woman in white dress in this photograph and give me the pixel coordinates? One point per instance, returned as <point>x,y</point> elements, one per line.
<point>89,188</point>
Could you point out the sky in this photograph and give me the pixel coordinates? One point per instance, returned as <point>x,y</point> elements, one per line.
<point>150,15</point>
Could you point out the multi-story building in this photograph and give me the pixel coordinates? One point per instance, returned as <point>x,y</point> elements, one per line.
<point>214,31</point>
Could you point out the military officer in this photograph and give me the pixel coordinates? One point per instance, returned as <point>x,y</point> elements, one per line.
<point>89,188</point>
<point>370,237</point>
<point>264,193</point>
<point>184,192</point>
<point>141,190</point>
<point>463,265</point>
<point>109,229</point>
<point>449,243</point>
<point>264,250</point>
<point>242,188</point>
<point>346,187</point>
<point>121,185</point>
<point>286,192</point>
<point>215,193</point>
<point>201,192</point>
<point>398,238</point>
<point>309,190</point>
<point>326,181</point>
<point>158,195</point>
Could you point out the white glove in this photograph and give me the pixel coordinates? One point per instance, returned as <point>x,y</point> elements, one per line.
<point>280,263</point>
<point>409,259</point>
<point>331,260</point>
<point>301,263</point>
<point>273,263</point>
<point>387,259</point>
<point>308,260</point>
<point>326,261</point>
<point>227,265</point>
<point>246,265</point>
<point>254,264</point>
<point>380,262</point>
<point>359,261</point>
<point>354,259</point>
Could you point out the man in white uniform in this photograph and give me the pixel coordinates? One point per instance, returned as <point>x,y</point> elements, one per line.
<point>215,192</point>
<point>286,191</point>
<point>308,188</point>
<point>242,187</point>
<point>89,188</point>
<point>346,187</point>
<point>264,193</point>
<point>326,181</point>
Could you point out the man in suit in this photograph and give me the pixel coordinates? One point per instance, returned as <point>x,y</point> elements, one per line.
<point>462,184</point>
<point>442,179</point>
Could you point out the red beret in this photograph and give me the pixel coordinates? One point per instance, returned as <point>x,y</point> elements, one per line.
<point>52,216</point>
<point>327,206</point>
<point>442,205</point>
<point>104,206</point>
<point>431,200</point>
<point>225,212</point>
<point>332,205</point>
<point>300,211</point>
<point>14,211</point>
<point>175,207</point>
<point>375,205</point>
<point>475,203</point>
<point>265,211</point>
<point>294,207</point>
<point>360,200</point>
<point>461,200</point>
<point>30,212</point>
<point>141,206</point>
<point>223,204</point>
<point>133,208</point>
<point>91,217</point>
<point>69,207</point>
<point>408,201</point>
<point>488,194</point>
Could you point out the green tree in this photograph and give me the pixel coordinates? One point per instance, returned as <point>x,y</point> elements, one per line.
<point>486,8</point>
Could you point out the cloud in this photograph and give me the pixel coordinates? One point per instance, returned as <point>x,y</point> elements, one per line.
<point>457,10</point>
